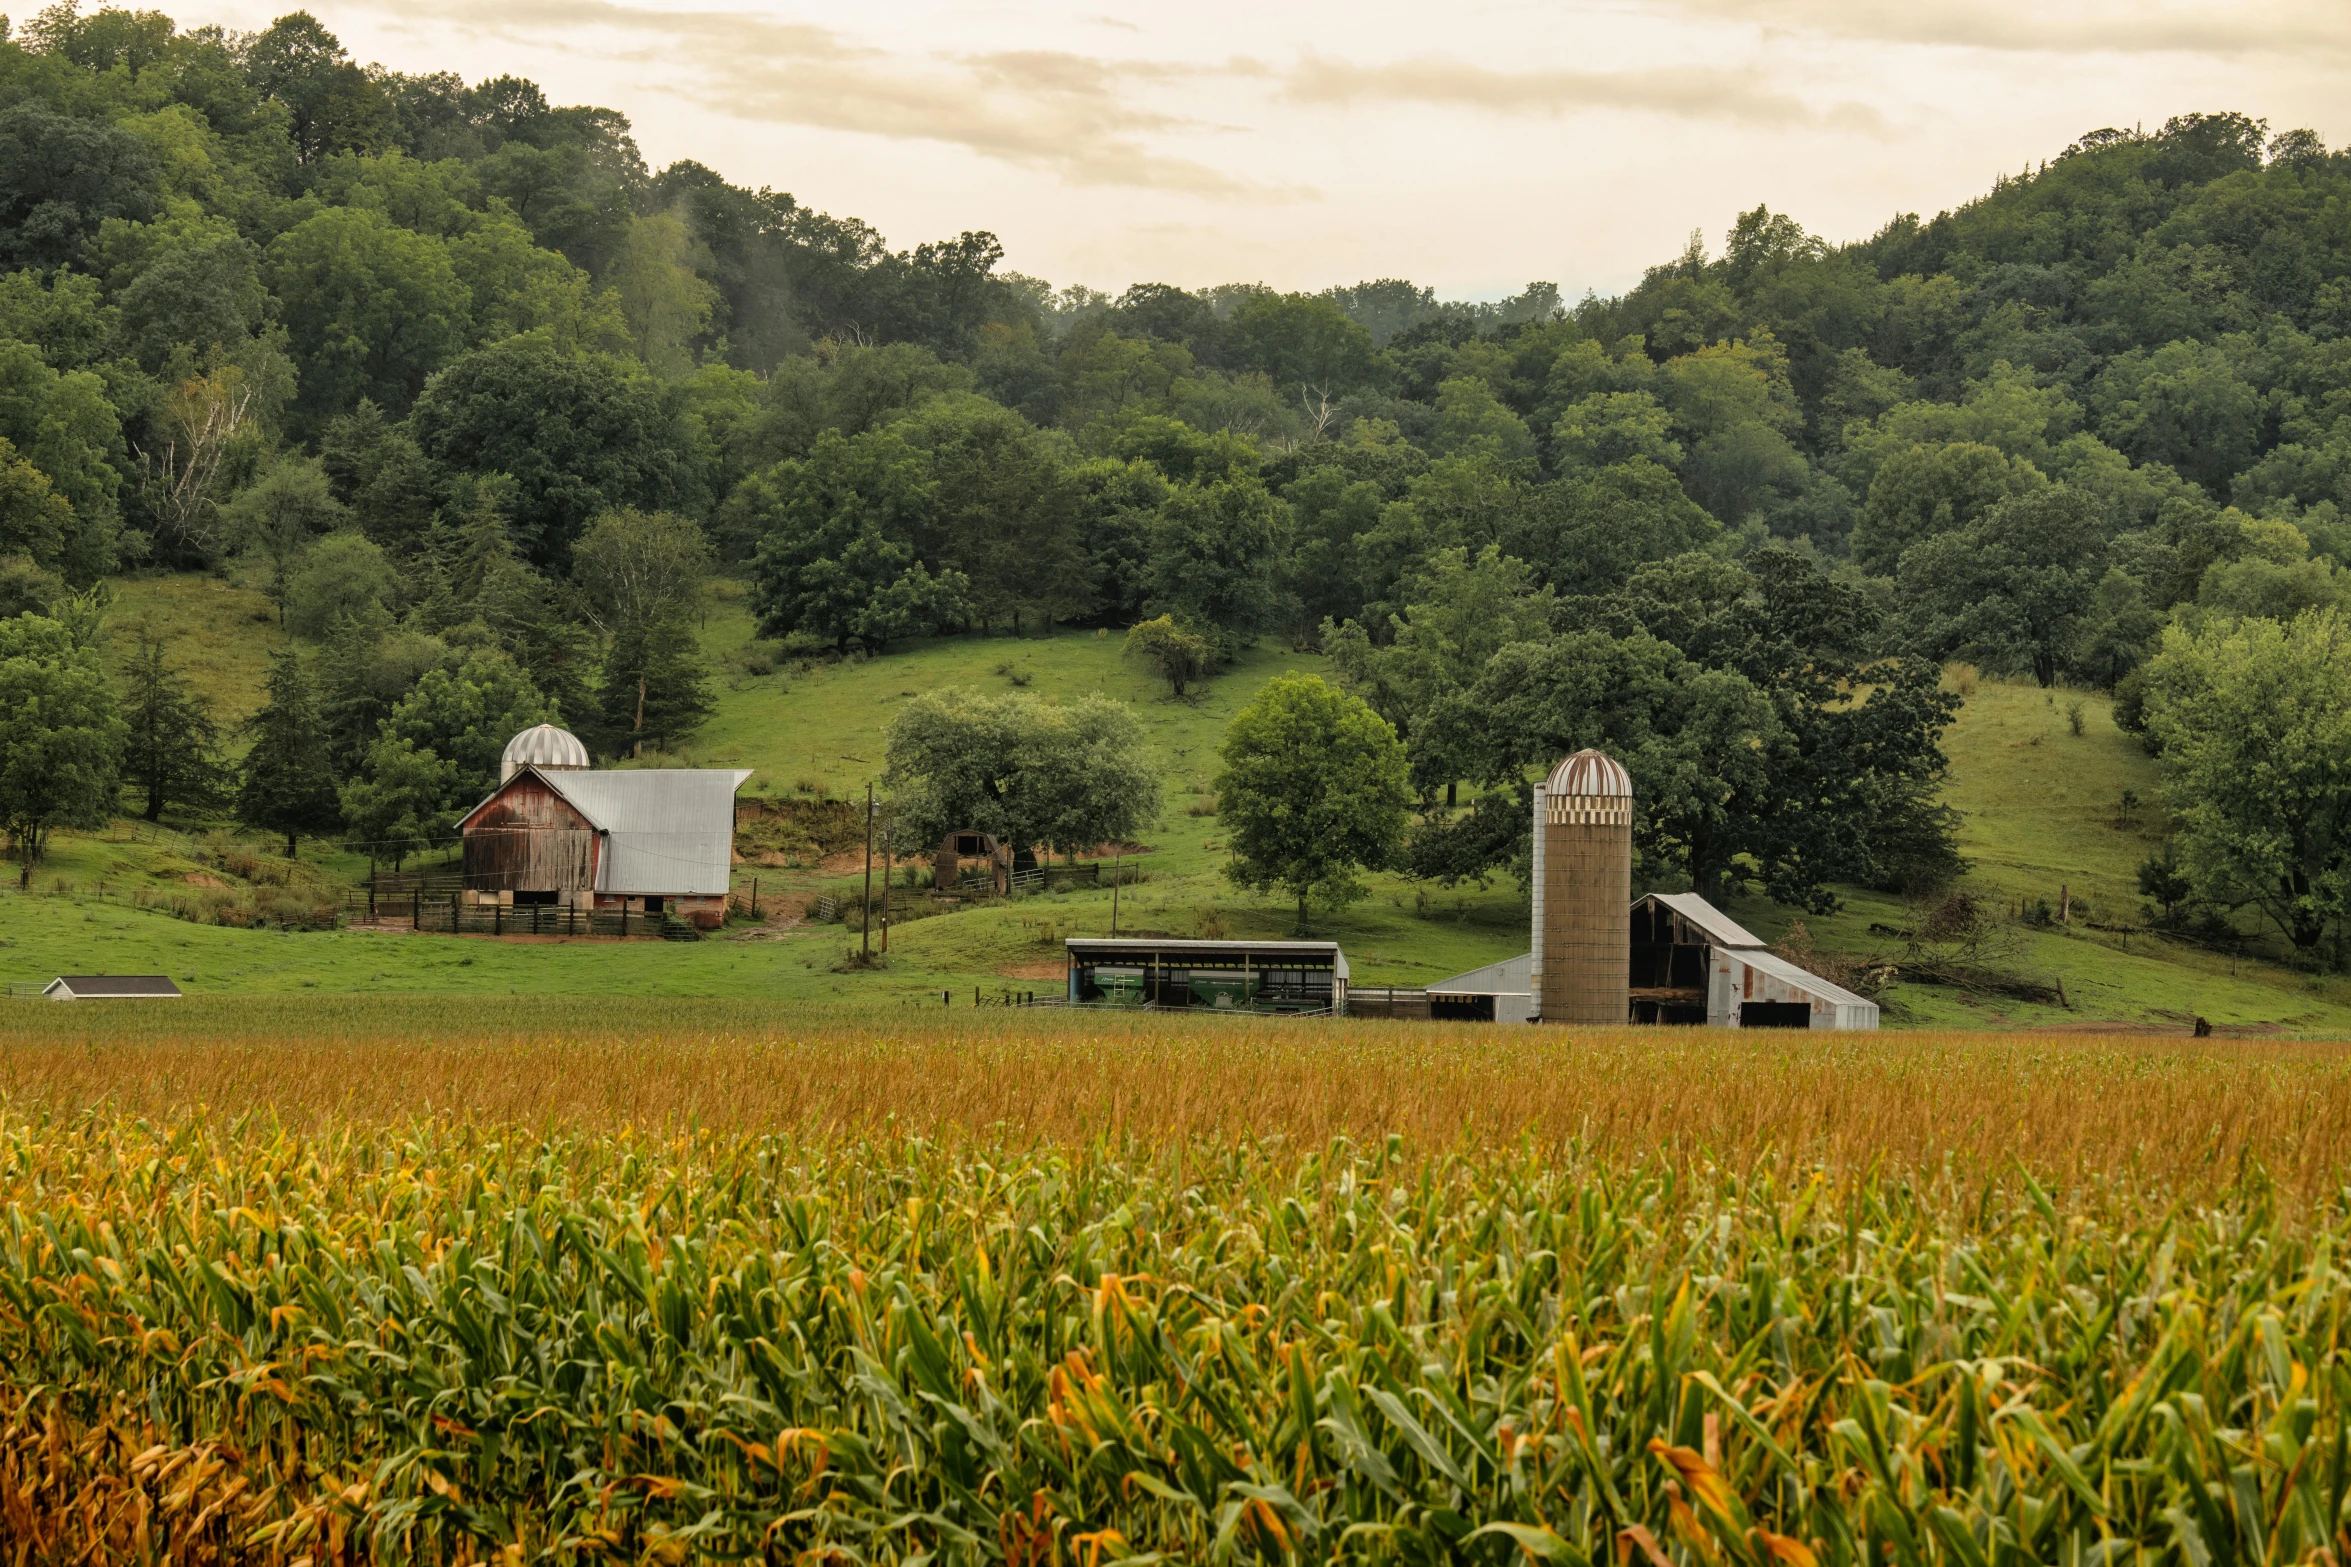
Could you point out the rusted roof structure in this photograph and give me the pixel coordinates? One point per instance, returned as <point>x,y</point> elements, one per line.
<point>663,830</point>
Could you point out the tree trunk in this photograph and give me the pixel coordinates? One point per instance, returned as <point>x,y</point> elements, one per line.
<point>1302,914</point>
<point>289,846</point>
<point>1452,794</point>
<point>155,799</point>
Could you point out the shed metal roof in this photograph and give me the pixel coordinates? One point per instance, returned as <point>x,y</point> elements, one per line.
<point>1099,947</point>
<point>1720,928</point>
<point>1803,979</point>
<point>1510,977</point>
<point>101,987</point>
<point>667,830</point>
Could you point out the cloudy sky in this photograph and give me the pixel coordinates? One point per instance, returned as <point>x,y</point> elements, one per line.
<point>1473,145</point>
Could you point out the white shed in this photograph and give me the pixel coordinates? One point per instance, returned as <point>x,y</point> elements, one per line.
<point>111,987</point>
<point>1498,993</point>
<point>1748,987</point>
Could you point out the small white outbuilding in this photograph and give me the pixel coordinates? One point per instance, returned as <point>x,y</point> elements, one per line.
<point>111,987</point>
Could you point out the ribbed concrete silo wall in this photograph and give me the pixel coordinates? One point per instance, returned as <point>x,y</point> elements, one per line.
<point>1587,891</point>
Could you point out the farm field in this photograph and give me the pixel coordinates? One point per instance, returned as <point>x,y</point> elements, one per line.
<point>677,1280</point>
<point>2041,821</point>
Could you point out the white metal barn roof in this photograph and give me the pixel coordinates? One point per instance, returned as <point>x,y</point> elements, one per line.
<point>1510,977</point>
<point>111,987</point>
<point>666,830</point>
<point>1782,981</point>
<point>1720,928</point>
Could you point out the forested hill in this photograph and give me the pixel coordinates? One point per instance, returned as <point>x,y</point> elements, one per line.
<point>476,390</point>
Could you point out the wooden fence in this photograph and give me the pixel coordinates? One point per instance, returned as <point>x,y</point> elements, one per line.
<point>452,916</point>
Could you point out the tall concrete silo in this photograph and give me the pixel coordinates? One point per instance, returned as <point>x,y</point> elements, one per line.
<point>1584,891</point>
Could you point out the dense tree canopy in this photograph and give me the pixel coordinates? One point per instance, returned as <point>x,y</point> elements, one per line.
<point>462,326</point>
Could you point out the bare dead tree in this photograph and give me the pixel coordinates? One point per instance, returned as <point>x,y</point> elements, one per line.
<point>1316,402</point>
<point>180,472</point>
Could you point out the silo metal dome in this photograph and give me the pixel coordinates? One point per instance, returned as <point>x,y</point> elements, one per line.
<point>1591,775</point>
<point>543,746</point>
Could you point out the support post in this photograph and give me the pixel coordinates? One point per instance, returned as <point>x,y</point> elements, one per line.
<point>1535,966</point>
<point>865,922</point>
<point>888,865</point>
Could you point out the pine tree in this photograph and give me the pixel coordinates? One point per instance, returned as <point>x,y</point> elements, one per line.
<point>656,688</point>
<point>173,748</point>
<point>286,784</point>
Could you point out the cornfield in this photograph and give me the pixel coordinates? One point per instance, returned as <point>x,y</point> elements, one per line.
<point>230,1340</point>
<point>393,1282</point>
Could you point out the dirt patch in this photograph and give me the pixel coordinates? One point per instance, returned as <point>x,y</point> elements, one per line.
<point>200,879</point>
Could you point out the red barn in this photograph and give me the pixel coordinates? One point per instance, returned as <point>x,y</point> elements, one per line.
<point>649,840</point>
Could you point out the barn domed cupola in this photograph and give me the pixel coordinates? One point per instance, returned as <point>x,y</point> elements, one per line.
<point>545,747</point>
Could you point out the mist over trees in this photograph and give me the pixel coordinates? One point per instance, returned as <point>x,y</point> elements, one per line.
<point>461,376</point>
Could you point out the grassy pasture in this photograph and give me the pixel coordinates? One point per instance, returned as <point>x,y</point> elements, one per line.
<point>2039,812</point>
<point>676,1281</point>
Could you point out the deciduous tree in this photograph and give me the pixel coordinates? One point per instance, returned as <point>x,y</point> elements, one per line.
<point>2254,719</point>
<point>60,736</point>
<point>1312,793</point>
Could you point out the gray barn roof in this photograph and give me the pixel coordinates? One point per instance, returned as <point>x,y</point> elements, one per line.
<point>1802,979</point>
<point>1720,928</point>
<point>667,830</point>
<point>1510,977</point>
<point>109,987</point>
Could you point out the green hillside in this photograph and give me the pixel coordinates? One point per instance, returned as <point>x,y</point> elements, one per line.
<point>2039,803</point>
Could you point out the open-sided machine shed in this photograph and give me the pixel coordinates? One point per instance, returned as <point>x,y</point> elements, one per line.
<point>1262,976</point>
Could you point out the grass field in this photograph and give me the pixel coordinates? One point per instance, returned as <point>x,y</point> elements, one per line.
<point>681,1281</point>
<point>2041,821</point>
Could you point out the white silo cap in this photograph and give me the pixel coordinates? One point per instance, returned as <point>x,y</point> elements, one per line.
<point>1590,774</point>
<point>542,745</point>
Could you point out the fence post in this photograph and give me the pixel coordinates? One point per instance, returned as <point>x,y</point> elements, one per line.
<point>416,909</point>
<point>497,919</point>
<point>624,916</point>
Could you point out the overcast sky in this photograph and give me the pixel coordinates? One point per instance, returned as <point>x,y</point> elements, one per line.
<point>1473,145</point>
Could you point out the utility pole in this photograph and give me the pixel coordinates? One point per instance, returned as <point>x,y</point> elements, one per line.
<point>865,924</point>
<point>889,871</point>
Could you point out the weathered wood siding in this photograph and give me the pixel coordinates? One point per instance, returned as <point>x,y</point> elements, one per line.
<point>528,839</point>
